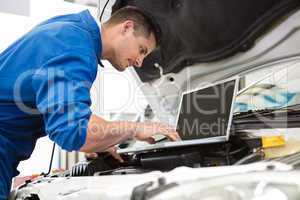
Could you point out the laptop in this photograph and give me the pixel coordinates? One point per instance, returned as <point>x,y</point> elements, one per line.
<point>204,116</point>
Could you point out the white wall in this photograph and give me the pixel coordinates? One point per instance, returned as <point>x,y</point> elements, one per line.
<point>12,27</point>
<point>23,7</point>
<point>116,92</point>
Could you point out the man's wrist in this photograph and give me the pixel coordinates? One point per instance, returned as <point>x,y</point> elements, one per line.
<point>132,129</point>
<point>124,128</point>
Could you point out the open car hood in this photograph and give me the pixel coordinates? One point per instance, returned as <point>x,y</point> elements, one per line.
<point>207,41</point>
<point>197,31</point>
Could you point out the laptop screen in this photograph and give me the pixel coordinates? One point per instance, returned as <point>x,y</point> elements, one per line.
<point>206,112</point>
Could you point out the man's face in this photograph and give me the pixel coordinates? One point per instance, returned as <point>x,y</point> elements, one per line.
<point>131,48</point>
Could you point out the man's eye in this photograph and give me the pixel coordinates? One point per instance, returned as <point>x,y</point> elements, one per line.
<point>142,51</point>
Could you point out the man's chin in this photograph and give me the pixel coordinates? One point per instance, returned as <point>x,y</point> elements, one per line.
<point>118,67</point>
<point>121,68</point>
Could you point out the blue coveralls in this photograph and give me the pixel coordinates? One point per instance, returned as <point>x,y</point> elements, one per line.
<point>45,80</point>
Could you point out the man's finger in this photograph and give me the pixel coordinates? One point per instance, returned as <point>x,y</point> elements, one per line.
<point>170,137</point>
<point>115,155</point>
<point>150,140</point>
<point>118,157</point>
<point>178,138</point>
<point>91,155</point>
<point>171,133</point>
<point>173,136</point>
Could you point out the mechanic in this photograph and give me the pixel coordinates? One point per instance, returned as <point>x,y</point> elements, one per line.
<point>46,78</point>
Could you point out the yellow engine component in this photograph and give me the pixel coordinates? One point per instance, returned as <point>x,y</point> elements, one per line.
<point>273,141</point>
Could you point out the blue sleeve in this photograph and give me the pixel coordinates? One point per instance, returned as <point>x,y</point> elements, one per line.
<point>62,87</point>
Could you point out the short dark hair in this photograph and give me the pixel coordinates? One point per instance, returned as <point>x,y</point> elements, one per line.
<point>142,22</point>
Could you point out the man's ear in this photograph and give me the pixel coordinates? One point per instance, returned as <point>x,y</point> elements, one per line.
<point>127,26</point>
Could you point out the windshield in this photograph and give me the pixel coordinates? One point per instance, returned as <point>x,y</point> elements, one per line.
<point>269,88</point>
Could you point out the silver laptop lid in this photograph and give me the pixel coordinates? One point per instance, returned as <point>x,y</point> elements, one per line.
<point>207,112</point>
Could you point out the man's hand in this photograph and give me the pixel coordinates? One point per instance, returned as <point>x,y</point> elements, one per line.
<point>146,131</point>
<point>102,134</point>
<point>115,155</point>
<point>112,151</point>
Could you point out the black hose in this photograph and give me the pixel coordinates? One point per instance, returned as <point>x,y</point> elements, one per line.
<point>50,165</point>
<point>102,12</point>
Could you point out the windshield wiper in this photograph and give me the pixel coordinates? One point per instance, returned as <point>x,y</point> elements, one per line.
<point>286,117</point>
<point>267,111</point>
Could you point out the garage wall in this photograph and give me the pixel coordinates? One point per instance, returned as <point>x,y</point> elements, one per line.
<point>9,6</point>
